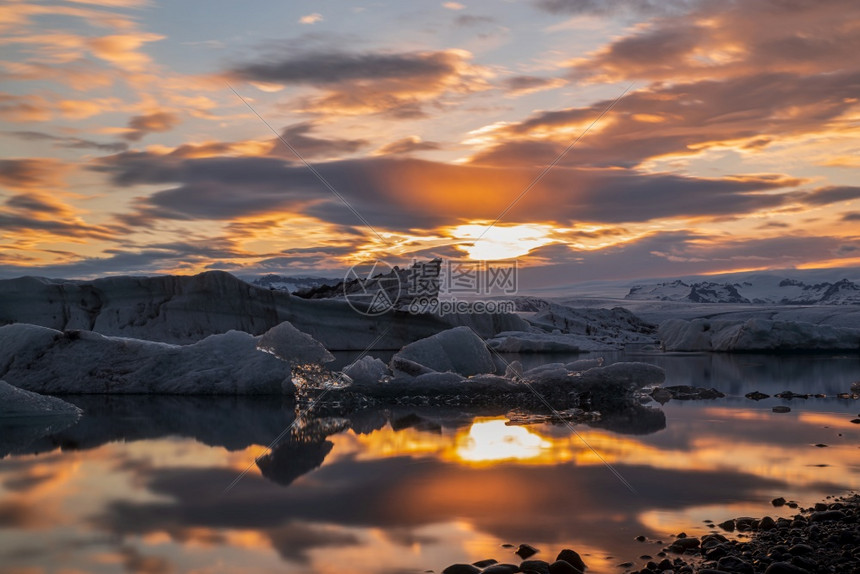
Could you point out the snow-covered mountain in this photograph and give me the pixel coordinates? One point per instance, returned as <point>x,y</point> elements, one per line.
<point>291,283</point>
<point>762,289</point>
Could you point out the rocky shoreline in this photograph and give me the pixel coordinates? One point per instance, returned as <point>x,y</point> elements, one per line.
<point>824,538</point>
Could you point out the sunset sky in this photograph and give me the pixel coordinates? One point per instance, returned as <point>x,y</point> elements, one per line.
<point>140,137</point>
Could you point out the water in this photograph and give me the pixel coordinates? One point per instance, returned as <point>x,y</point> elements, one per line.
<point>149,484</point>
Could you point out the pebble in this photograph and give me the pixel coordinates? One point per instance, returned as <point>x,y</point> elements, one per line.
<point>781,409</point>
<point>461,569</point>
<point>564,567</point>
<point>502,569</point>
<point>540,566</point>
<point>526,550</point>
<point>572,557</point>
<point>785,568</point>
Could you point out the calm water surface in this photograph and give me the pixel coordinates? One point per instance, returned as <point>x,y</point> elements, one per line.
<point>143,484</point>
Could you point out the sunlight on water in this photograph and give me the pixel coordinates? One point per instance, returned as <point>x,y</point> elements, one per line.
<point>491,440</point>
<point>140,484</point>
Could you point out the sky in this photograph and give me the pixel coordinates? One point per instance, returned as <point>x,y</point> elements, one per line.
<point>586,139</point>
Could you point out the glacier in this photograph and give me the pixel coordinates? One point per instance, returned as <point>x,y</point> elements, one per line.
<point>186,309</point>
<point>755,335</point>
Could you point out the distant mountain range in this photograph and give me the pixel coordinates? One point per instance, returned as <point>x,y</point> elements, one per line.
<point>292,283</point>
<point>764,289</point>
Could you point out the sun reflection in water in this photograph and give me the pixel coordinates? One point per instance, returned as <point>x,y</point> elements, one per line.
<point>492,440</point>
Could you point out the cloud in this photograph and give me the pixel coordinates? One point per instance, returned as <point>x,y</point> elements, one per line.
<point>122,50</point>
<point>398,83</point>
<point>139,126</point>
<point>851,216</point>
<point>28,217</point>
<point>69,142</point>
<point>467,20</point>
<point>720,40</point>
<point>676,254</point>
<point>311,18</point>
<point>606,7</point>
<point>833,194</point>
<point>405,194</point>
<point>297,135</point>
<point>679,118</point>
<point>31,173</point>
<point>407,145</point>
<point>518,85</point>
<point>453,6</point>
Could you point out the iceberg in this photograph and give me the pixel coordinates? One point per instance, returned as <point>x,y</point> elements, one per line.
<point>367,370</point>
<point>755,335</point>
<point>15,402</point>
<point>186,309</point>
<point>48,361</point>
<point>26,417</point>
<point>458,350</point>
<point>291,345</point>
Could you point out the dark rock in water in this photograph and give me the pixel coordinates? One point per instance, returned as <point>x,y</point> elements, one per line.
<point>572,557</point>
<point>785,568</point>
<point>526,550</point>
<point>767,523</point>
<point>734,564</point>
<point>485,563</point>
<point>502,569</point>
<point>686,393</point>
<point>791,395</point>
<point>821,445</point>
<point>801,550</point>
<point>564,567</point>
<point>625,565</point>
<point>779,501</point>
<point>661,395</point>
<point>728,525</point>
<point>683,544</point>
<point>826,516</point>
<point>781,409</point>
<point>461,569</point>
<point>856,421</point>
<point>756,396</point>
<point>539,566</point>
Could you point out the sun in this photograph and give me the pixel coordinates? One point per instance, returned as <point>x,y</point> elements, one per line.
<point>483,242</point>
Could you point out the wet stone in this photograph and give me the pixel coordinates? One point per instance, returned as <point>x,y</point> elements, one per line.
<point>564,567</point>
<point>502,569</point>
<point>526,550</point>
<point>540,566</point>
<point>573,558</point>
